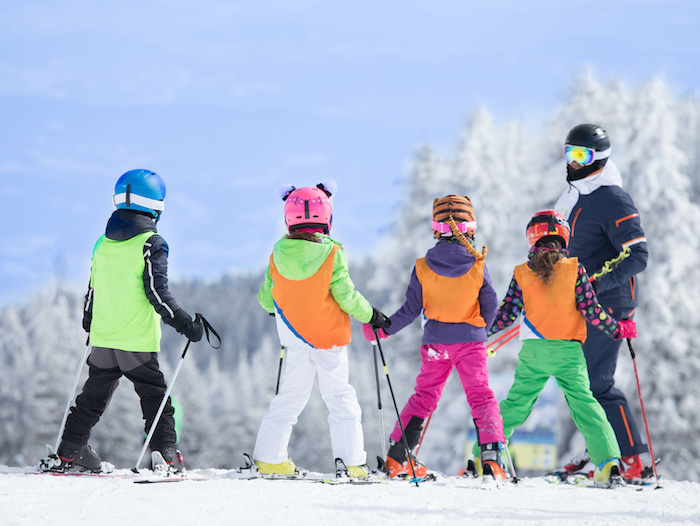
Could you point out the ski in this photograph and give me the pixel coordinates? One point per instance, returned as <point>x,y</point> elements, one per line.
<point>582,480</point>
<point>169,478</point>
<point>580,477</point>
<point>358,482</point>
<point>79,474</point>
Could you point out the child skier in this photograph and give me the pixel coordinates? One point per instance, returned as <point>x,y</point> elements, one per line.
<point>127,297</point>
<point>452,288</point>
<point>308,288</point>
<point>556,298</point>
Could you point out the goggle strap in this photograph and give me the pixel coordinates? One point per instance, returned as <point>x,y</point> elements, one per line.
<point>597,156</point>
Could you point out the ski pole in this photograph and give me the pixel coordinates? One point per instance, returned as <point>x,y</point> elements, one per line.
<point>135,469</point>
<point>279,370</point>
<point>500,342</point>
<point>72,394</point>
<point>379,401</point>
<point>507,334</point>
<point>644,413</point>
<point>510,462</point>
<point>396,407</point>
<point>207,329</point>
<point>422,435</point>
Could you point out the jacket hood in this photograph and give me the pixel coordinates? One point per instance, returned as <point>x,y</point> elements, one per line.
<point>300,259</point>
<point>449,259</point>
<point>125,224</point>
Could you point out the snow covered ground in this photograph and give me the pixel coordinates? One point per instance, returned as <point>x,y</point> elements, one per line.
<point>44,499</point>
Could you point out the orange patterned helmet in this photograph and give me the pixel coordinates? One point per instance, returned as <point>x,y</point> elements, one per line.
<point>547,224</point>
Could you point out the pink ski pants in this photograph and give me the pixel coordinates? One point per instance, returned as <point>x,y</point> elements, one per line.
<point>437,361</point>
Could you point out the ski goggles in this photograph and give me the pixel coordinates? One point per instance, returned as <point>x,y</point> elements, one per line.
<point>582,155</point>
<point>464,226</point>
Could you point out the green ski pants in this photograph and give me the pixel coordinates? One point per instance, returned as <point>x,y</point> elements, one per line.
<point>563,359</point>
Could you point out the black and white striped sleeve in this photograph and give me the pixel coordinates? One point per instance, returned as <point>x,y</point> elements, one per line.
<point>155,278</point>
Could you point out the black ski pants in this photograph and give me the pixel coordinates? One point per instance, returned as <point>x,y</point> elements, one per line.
<point>601,354</point>
<point>106,367</point>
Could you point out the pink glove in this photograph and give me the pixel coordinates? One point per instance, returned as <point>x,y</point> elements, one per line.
<point>368,333</point>
<point>627,329</point>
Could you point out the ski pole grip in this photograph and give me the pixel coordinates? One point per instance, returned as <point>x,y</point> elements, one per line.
<point>629,344</point>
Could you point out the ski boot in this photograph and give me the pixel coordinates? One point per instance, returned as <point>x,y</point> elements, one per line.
<point>353,472</point>
<point>398,464</point>
<point>633,470</point>
<point>81,456</point>
<point>285,468</point>
<point>472,470</point>
<point>167,459</point>
<point>578,463</point>
<point>492,466</point>
<point>607,474</point>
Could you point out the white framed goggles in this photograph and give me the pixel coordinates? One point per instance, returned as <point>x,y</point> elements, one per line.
<point>464,226</point>
<point>583,155</point>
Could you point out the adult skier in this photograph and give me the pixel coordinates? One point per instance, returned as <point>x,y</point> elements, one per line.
<point>604,221</point>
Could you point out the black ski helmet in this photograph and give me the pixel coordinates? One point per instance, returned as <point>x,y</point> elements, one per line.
<point>590,136</point>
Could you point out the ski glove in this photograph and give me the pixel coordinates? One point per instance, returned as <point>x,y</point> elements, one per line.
<point>379,320</point>
<point>87,320</point>
<point>368,333</point>
<point>626,329</point>
<point>182,323</point>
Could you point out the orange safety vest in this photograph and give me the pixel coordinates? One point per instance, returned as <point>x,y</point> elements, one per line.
<point>550,310</point>
<point>452,300</point>
<point>307,307</point>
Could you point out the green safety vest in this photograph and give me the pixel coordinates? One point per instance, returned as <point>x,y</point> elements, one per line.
<point>122,316</point>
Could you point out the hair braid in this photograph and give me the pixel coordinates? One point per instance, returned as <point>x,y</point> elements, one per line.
<point>463,239</point>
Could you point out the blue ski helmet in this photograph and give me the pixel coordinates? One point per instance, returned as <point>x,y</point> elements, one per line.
<point>140,190</point>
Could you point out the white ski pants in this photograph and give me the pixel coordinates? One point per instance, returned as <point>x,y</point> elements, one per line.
<point>302,365</point>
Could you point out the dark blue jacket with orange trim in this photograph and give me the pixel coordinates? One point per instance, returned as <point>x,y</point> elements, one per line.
<point>604,221</point>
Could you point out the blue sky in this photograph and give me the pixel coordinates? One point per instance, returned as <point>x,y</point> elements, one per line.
<point>229,100</point>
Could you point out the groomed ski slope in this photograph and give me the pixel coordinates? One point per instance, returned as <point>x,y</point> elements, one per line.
<point>68,501</point>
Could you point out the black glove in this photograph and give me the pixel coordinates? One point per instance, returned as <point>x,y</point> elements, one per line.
<point>87,320</point>
<point>182,323</point>
<point>378,320</point>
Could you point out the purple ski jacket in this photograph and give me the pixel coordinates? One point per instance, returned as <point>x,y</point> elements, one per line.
<point>450,259</point>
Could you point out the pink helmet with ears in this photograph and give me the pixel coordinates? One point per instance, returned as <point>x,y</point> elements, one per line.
<point>308,207</point>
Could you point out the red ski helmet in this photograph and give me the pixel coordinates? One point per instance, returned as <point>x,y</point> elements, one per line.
<point>547,224</point>
<point>308,207</point>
